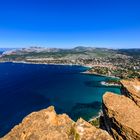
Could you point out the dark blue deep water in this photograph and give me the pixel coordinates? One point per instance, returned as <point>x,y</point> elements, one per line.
<point>25,88</point>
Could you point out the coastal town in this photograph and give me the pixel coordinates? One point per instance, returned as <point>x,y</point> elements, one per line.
<point>117,67</point>
<point>102,61</point>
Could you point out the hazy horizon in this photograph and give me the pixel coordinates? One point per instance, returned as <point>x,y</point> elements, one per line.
<point>67,24</point>
<point>66,47</point>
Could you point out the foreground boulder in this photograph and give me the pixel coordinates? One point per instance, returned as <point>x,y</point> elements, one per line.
<point>121,117</point>
<point>131,88</point>
<point>47,125</point>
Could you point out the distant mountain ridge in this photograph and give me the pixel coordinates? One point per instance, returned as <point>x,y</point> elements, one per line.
<point>131,52</point>
<point>73,53</point>
<point>5,49</point>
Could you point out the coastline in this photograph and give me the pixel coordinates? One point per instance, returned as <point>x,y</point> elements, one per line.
<point>66,64</point>
<point>100,113</point>
<point>24,62</point>
<point>94,73</point>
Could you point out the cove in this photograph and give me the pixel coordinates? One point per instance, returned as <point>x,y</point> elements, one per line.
<point>25,88</point>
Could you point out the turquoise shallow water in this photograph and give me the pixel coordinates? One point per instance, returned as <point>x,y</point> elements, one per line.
<point>25,88</point>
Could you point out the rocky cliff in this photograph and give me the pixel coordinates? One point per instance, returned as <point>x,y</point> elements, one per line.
<point>131,88</point>
<point>121,117</point>
<point>47,125</point>
<point>122,112</point>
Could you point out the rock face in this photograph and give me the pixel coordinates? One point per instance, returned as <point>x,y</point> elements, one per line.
<point>131,88</point>
<point>121,117</point>
<point>47,125</point>
<point>41,125</point>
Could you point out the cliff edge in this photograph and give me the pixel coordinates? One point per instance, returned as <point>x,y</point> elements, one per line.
<point>47,125</point>
<point>122,112</point>
<point>131,89</point>
<point>121,117</point>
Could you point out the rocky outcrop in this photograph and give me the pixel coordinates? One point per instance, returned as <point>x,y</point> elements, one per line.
<point>41,125</point>
<point>47,125</point>
<point>121,117</point>
<point>131,88</point>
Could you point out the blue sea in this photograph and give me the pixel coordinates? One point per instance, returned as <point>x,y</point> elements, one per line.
<point>25,88</point>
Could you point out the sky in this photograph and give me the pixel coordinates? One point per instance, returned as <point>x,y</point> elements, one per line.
<point>70,23</point>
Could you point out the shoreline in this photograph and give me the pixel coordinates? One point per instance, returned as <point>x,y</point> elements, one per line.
<point>84,72</point>
<point>93,73</point>
<point>100,113</point>
<point>24,62</point>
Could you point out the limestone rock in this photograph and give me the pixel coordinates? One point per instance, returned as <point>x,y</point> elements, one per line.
<point>42,125</point>
<point>131,88</point>
<point>121,117</point>
<point>47,125</point>
<point>88,132</point>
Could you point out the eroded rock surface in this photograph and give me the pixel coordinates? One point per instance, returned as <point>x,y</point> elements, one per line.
<point>87,131</point>
<point>131,88</point>
<point>41,125</point>
<point>121,117</point>
<point>47,125</point>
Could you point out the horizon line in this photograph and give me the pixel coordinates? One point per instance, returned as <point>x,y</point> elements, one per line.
<point>69,47</point>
